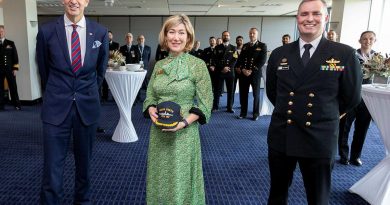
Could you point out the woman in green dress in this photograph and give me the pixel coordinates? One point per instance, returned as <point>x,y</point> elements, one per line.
<point>174,175</point>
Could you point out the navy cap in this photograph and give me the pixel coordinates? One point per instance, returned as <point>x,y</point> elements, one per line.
<point>169,115</point>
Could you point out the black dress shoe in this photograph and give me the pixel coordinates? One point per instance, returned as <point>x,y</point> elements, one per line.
<point>357,162</point>
<point>100,130</point>
<point>241,117</point>
<point>255,118</point>
<point>230,111</point>
<point>344,161</point>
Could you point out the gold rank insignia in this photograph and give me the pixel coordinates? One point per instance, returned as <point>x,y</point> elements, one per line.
<point>283,65</point>
<point>332,66</point>
<point>235,55</point>
<point>258,49</point>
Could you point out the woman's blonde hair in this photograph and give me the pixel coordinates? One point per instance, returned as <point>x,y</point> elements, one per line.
<point>173,21</point>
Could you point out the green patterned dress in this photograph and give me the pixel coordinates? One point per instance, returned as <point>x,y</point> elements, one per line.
<point>174,175</point>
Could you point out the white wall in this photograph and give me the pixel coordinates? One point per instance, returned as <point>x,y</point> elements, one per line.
<point>273,28</point>
<point>355,18</point>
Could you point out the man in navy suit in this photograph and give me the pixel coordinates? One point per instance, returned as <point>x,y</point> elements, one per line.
<point>142,52</point>
<point>72,55</point>
<point>310,82</point>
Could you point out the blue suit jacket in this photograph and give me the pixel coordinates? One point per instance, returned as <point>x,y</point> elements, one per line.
<point>145,55</point>
<point>62,88</point>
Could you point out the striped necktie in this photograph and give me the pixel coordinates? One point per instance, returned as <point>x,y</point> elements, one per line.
<point>76,51</point>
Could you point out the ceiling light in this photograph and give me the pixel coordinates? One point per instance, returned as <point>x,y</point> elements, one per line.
<point>109,2</point>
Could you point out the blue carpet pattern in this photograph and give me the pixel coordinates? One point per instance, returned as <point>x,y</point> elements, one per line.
<point>234,161</point>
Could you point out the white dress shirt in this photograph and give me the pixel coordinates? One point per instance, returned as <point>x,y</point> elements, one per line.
<point>81,30</point>
<point>314,44</point>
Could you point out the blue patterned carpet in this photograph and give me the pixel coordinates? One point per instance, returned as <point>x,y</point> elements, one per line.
<point>234,158</point>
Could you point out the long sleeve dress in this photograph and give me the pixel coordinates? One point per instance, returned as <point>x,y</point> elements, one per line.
<point>174,170</point>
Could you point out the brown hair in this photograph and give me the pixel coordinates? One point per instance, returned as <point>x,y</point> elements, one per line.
<point>373,33</point>
<point>174,21</point>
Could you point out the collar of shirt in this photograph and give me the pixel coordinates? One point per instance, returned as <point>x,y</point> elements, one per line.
<point>2,40</point>
<point>314,44</point>
<point>226,44</point>
<point>82,23</point>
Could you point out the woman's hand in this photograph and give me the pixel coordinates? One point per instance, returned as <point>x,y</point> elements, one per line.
<point>153,114</point>
<point>179,126</point>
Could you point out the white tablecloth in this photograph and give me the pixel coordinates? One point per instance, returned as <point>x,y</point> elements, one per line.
<point>266,106</point>
<point>374,187</point>
<point>124,86</point>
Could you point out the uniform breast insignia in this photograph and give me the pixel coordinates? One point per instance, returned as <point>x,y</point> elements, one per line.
<point>332,66</point>
<point>8,46</point>
<point>258,49</point>
<point>235,55</point>
<point>283,65</point>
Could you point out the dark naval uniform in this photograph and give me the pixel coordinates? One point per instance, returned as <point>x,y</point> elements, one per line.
<point>252,58</point>
<point>197,53</point>
<point>362,118</point>
<point>129,53</point>
<point>160,53</point>
<point>112,46</point>
<point>304,125</point>
<point>225,56</point>
<point>208,56</point>
<point>8,62</point>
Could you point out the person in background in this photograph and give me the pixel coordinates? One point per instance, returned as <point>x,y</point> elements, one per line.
<point>9,66</point>
<point>308,97</point>
<point>250,62</point>
<point>160,53</point>
<point>174,169</point>
<point>209,58</point>
<point>196,51</point>
<point>72,64</point>
<point>237,71</point>
<point>332,35</point>
<point>286,39</point>
<point>225,61</point>
<point>219,41</point>
<point>128,50</point>
<point>112,46</point>
<point>142,53</point>
<point>359,114</point>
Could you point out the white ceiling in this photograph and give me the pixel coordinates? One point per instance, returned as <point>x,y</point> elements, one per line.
<point>189,7</point>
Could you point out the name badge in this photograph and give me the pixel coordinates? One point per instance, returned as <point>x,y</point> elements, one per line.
<point>284,67</point>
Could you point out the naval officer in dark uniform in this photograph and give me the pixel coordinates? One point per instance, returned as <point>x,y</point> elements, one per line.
<point>250,61</point>
<point>128,50</point>
<point>9,65</point>
<point>112,46</point>
<point>160,53</point>
<point>208,56</point>
<point>310,82</point>
<point>226,58</point>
